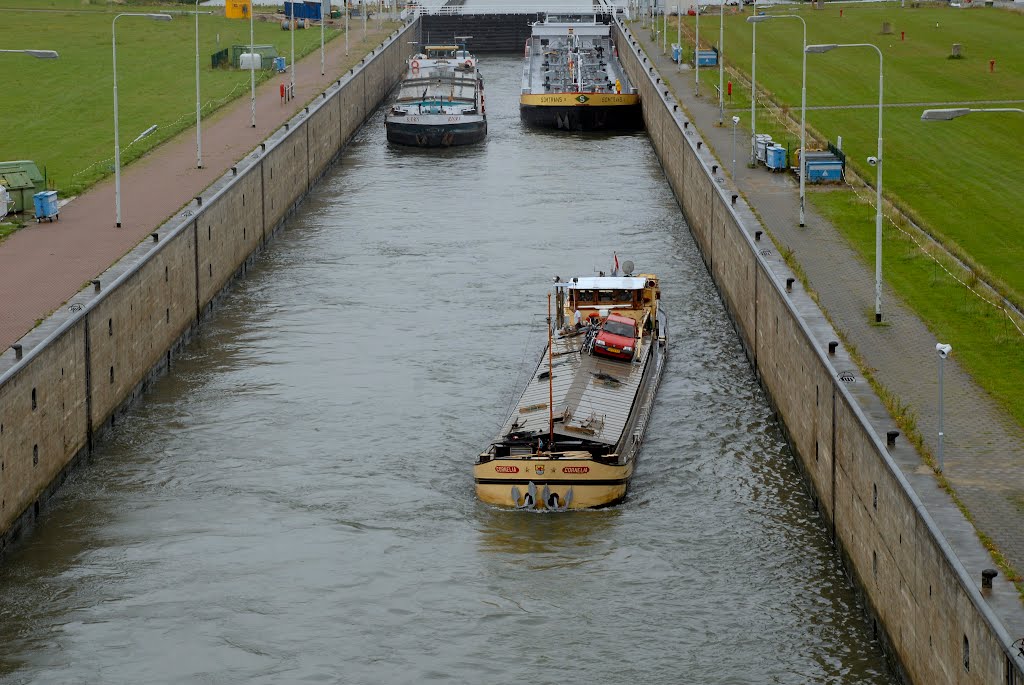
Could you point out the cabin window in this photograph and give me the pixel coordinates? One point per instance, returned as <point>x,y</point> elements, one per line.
<point>606,296</point>
<point>625,296</point>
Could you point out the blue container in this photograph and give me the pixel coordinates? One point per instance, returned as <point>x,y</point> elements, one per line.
<point>824,170</point>
<point>775,157</point>
<point>46,205</point>
<point>303,10</point>
<point>280,65</point>
<point>677,53</point>
<point>707,58</point>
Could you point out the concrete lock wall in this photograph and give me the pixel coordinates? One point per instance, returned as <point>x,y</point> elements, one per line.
<point>89,360</point>
<point>921,602</point>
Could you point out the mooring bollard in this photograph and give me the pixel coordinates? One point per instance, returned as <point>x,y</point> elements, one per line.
<point>890,438</point>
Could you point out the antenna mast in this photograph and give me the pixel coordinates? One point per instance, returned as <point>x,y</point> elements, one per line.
<point>551,388</point>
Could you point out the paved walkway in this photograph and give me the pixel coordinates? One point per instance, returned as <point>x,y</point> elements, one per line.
<point>984,447</point>
<point>43,265</point>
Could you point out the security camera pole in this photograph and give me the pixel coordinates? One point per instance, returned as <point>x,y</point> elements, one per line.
<point>873,161</point>
<point>735,123</point>
<point>944,351</point>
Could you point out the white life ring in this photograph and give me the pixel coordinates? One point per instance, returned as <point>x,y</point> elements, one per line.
<point>469,64</point>
<point>414,65</point>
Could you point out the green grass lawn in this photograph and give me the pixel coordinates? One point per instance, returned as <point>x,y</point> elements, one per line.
<point>59,113</point>
<point>960,179</point>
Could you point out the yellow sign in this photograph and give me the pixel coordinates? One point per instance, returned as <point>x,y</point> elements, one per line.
<point>578,100</point>
<point>237,9</point>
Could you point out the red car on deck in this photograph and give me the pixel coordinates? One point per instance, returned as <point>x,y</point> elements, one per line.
<point>617,338</point>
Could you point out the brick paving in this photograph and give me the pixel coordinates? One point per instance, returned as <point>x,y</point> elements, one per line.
<point>984,447</point>
<point>43,265</point>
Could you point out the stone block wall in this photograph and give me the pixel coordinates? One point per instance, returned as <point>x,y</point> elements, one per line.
<point>96,355</point>
<point>926,612</point>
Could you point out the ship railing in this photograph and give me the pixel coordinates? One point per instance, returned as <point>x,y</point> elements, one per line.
<point>598,7</point>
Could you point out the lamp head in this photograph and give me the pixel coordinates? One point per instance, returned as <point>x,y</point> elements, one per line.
<point>823,47</point>
<point>159,17</point>
<point>42,54</point>
<point>758,18</point>
<point>943,114</point>
<point>944,350</point>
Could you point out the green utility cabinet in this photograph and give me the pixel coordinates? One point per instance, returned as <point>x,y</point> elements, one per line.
<point>22,180</point>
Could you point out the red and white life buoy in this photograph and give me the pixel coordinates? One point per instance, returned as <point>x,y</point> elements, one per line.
<point>414,65</point>
<point>469,63</point>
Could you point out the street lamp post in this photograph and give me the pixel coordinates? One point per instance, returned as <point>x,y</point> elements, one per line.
<point>292,27</point>
<point>664,32</point>
<point>944,351</point>
<point>947,114</point>
<point>252,64</point>
<point>735,123</point>
<point>199,132</point>
<point>117,146</point>
<point>346,28</point>
<point>322,21</point>
<point>875,161</point>
<point>721,65</point>
<point>696,52</point>
<point>756,19</point>
<point>679,34</point>
<point>753,86</point>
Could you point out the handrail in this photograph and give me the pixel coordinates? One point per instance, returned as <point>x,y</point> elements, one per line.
<point>600,7</point>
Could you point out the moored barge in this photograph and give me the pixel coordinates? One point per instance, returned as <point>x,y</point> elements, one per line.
<point>440,102</point>
<point>572,77</point>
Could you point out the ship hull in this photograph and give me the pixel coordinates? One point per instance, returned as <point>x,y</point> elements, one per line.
<point>601,485</point>
<point>435,135</point>
<point>576,118</point>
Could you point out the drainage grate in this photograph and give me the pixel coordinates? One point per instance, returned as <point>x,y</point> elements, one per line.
<point>765,253</point>
<point>847,377</point>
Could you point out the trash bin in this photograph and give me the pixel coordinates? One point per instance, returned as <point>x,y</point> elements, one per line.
<point>280,65</point>
<point>676,52</point>
<point>46,205</point>
<point>775,157</point>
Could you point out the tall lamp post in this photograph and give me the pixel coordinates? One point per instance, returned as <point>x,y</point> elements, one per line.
<point>756,19</point>
<point>696,52</point>
<point>721,65</point>
<point>346,28</point>
<point>947,114</point>
<point>199,133</point>
<point>291,26</point>
<point>873,161</point>
<point>944,351</point>
<point>117,145</point>
<point>753,85</point>
<point>322,21</point>
<point>252,64</point>
<point>679,34</point>
<point>735,123</point>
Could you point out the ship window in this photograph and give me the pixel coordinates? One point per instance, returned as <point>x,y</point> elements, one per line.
<point>625,296</point>
<point>584,295</point>
<point>606,296</point>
